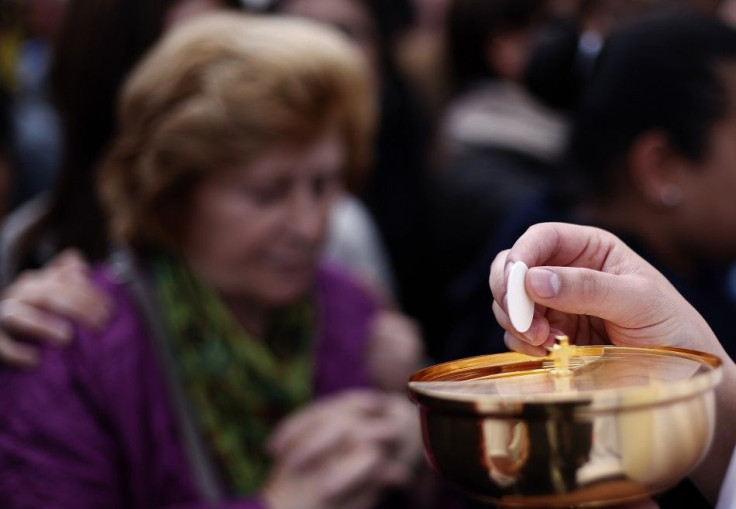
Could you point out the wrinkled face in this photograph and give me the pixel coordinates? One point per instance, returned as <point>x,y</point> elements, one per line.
<point>256,231</point>
<point>348,16</point>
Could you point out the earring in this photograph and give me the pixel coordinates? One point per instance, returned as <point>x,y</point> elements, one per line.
<point>670,195</point>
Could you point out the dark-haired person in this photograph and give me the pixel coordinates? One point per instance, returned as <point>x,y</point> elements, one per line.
<point>658,158</point>
<point>653,142</point>
<point>518,68</point>
<point>7,164</point>
<point>36,137</point>
<point>87,69</point>
<point>98,42</point>
<point>501,143</point>
<point>652,159</point>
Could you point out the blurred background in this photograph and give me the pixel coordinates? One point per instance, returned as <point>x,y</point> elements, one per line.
<point>477,99</point>
<point>492,115</point>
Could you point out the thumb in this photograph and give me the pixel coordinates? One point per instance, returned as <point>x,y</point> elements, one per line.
<point>581,291</point>
<point>70,257</point>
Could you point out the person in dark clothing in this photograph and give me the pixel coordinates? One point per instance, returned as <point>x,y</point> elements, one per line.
<point>651,153</point>
<point>501,144</point>
<point>63,230</point>
<point>90,61</point>
<point>7,166</point>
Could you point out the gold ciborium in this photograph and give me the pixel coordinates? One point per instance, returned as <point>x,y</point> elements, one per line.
<point>586,426</point>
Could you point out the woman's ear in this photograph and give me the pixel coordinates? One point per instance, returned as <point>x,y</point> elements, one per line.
<point>657,171</point>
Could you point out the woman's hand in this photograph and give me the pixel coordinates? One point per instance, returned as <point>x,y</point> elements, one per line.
<point>589,285</point>
<point>395,350</point>
<point>342,452</point>
<point>40,304</point>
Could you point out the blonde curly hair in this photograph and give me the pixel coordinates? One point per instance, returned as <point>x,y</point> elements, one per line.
<point>218,91</point>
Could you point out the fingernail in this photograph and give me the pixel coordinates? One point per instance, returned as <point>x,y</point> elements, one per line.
<point>507,268</point>
<point>529,336</point>
<point>545,283</point>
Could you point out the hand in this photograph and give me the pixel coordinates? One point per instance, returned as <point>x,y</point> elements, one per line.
<point>343,452</point>
<point>394,350</point>
<point>590,286</point>
<point>39,303</point>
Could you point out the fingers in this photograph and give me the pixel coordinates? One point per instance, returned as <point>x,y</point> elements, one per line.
<point>17,354</point>
<point>406,444</point>
<point>521,346</point>
<point>351,479</point>
<point>394,350</point>
<point>63,289</point>
<point>336,435</point>
<point>298,427</point>
<point>628,301</point>
<point>538,333</point>
<point>580,291</point>
<point>346,450</point>
<point>398,334</point>
<point>565,245</point>
<point>41,305</point>
<point>22,320</point>
<point>345,425</point>
<point>365,467</point>
<point>70,259</point>
<point>76,301</point>
<point>579,278</point>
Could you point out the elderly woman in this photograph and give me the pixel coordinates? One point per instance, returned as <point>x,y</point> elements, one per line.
<point>233,134</point>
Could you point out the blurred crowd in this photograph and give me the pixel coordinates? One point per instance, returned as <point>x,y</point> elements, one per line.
<point>453,127</point>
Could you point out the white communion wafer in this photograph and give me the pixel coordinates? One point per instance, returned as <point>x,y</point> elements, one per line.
<point>520,306</point>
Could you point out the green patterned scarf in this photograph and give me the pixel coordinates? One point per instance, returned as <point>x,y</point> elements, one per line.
<point>239,387</point>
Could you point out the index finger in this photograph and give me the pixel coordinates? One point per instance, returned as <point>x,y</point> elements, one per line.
<point>552,244</point>
<point>70,258</point>
<point>563,244</point>
<point>297,425</point>
<point>498,277</point>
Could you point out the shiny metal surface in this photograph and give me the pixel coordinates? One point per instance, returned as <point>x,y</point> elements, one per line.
<point>625,424</point>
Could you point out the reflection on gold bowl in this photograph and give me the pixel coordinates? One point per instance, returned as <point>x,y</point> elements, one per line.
<point>626,424</point>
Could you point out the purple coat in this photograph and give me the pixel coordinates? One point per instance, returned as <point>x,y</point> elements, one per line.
<point>94,425</point>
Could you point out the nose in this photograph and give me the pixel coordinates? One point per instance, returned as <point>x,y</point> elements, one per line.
<point>308,216</point>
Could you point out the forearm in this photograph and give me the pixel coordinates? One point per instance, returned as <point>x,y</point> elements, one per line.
<point>709,475</point>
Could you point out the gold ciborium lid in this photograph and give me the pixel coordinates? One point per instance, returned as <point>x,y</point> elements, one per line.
<point>584,426</point>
